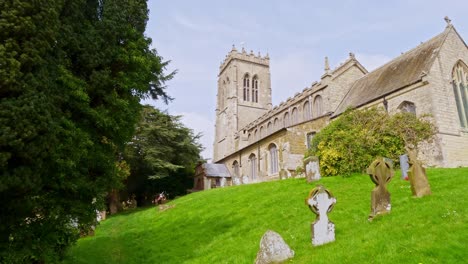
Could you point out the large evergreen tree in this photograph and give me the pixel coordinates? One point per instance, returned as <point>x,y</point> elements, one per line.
<point>72,73</point>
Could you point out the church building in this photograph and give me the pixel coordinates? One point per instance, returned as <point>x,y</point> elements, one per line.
<point>257,141</point>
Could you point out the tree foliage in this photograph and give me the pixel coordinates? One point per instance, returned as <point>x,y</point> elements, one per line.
<point>72,74</point>
<point>352,141</point>
<point>161,154</point>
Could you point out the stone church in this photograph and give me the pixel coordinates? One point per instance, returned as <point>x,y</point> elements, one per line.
<point>259,142</point>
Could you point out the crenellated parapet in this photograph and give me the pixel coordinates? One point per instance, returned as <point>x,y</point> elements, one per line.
<point>244,56</point>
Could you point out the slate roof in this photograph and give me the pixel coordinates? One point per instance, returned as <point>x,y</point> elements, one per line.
<point>216,170</point>
<point>401,72</point>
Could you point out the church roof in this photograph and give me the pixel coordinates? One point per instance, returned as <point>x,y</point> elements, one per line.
<point>403,71</point>
<point>216,170</point>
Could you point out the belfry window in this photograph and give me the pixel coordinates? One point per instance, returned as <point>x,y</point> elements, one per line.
<point>460,90</point>
<point>255,89</point>
<point>246,87</point>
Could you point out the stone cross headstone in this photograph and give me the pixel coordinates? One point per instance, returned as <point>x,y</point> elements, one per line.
<point>321,202</point>
<point>417,177</point>
<point>273,249</point>
<point>380,172</point>
<point>404,166</point>
<point>312,169</point>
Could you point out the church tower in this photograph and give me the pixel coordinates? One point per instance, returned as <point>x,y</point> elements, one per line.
<point>244,94</point>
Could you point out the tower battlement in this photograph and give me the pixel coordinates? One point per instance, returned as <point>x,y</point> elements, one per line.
<point>244,56</point>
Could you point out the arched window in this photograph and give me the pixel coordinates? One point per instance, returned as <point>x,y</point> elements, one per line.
<point>261,132</point>
<point>306,111</point>
<point>246,87</point>
<point>255,135</point>
<point>318,108</point>
<point>255,89</point>
<point>460,90</point>
<point>294,116</point>
<point>269,128</point>
<point>248,137</point>
<point>253,166</point>
<point>235,167</point>
<point>276,124</point>
<point>408,107</point>
<point>273,158</point>
<point>286,119</point>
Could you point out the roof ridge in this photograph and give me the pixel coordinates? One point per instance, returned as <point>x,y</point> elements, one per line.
<point>435,43</point>
<point>423,44</point>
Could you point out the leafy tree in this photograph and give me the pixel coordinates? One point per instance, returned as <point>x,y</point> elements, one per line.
<point>162,154</point>
<point>350,143</point>
<point>72,74</point>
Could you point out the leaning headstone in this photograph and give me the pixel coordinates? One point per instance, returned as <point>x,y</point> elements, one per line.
<point>273,249</point>
<point>418,178</point>
<point>321,202</point>
<point>380,172</point>
<point>404,166</point>
<point>312,169</point>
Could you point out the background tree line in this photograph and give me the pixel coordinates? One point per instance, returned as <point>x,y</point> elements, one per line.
<point>72,74</point>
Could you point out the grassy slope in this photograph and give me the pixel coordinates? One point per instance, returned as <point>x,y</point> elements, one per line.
<point>225,225</point>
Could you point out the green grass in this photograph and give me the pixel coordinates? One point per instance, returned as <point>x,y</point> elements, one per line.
<point>225,225</point>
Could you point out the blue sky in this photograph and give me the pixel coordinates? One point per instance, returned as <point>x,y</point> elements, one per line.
<point>196,35</point>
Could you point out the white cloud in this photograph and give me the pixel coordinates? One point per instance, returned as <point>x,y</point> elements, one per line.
<point>200,124</point>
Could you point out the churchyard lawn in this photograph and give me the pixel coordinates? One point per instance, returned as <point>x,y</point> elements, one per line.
<point>225,225</point>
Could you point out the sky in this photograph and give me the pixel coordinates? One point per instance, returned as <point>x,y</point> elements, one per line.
<point>195,37</point>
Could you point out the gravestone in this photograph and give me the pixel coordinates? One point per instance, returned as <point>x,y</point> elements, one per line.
<point>380,172</point>
<point>236,181</point>
<point>321,202</point>
<point>283,174</point>
<point>404,166</point>
<point>222,182</point>
<point>273,249</point>
<point>245,179</point>
<point>312,169</point>
<point>417,177</point>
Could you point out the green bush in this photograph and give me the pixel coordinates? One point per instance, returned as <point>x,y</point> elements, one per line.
<point>350,143</point>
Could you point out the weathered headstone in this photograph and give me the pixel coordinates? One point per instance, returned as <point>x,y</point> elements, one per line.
<point>418,178</point>
<point>236,181</point>
<point>222,182</point>
<point>312,169</point>
<point>273,249</point>
<point>380,172</point>
<point>321,202</point>
<point>404,166</point>
<point>283,174</point>
<point>245,179</point>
